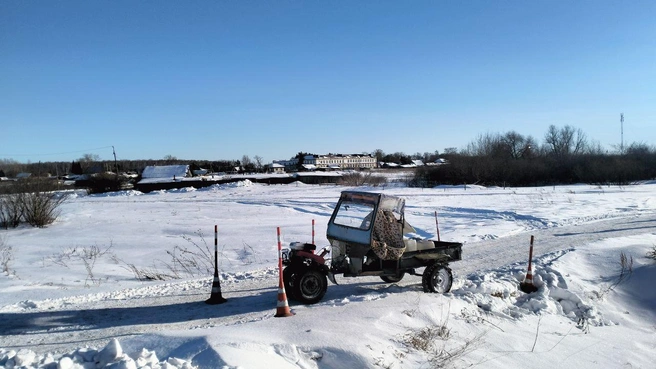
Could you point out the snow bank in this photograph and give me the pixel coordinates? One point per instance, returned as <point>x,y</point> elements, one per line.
<point>125,193</point>
<point>229,185</point>
<point>497,293</point>
<point>110,357</point>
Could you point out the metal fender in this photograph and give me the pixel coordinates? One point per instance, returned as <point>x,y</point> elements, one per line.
<point>331,277</point>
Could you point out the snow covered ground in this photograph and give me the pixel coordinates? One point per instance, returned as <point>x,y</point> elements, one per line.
<point>70,297</point>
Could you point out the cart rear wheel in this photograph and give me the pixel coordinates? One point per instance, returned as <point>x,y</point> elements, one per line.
<point>309,286</point>
<point>392,278</point>
<point>437,278</point>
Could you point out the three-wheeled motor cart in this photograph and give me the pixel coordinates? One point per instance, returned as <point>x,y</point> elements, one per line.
<point>368,236</point>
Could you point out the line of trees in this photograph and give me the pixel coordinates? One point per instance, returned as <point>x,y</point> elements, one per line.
<point>86,165</point>
<point>565,156</point>
<point>106,176</point>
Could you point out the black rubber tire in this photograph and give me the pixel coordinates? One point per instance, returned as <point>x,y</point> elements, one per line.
<point>392,279</point>
<point>288,277</point>
<point>310,285</point>
<point>437,278</point>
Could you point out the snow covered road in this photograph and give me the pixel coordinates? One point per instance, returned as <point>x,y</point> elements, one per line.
<point>492,254</point>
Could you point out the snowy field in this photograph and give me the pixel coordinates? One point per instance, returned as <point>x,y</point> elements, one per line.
<point>70,296</point>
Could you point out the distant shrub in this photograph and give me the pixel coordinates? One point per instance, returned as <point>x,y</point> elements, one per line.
<point>35,185</point>
<point>88,256</point>
<point>33,201</point>
<point>42,208</point>
<point>105,182</point>
<point>11,210</point>
<point>194,260</point>
<point>432,341</point>
<point>6,255</point>
<point>625,273</point>
<point>38,201</point>
<point>358,179</point>
<point>652,253</point>
<point>376,180</point>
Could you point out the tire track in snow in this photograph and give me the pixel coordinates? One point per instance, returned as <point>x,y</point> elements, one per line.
<point>493,254</point>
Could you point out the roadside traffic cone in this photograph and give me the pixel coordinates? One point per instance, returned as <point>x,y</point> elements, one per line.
<point>215,296</point>
<point>282,310</point>
<point>529,277</point>
<point>527,286</point>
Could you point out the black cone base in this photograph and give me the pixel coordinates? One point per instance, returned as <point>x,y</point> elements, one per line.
<point>215,296</point>
<point>215,300</point>
<point>527,287</point>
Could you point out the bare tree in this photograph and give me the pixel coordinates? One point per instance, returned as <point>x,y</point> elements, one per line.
<point>450,151</point>
<point>594,148</point>
<point>479,146</point>
<point>518,146</point>
<point>580,142</point>
<point>531,148</point>
<point>552,140</point>
<point>565,141</point>
<point>639,149</point>
<point>426,157</point>
<point>378,154</point>
<point>11,167</point>
<point>489,144</point>
<point>515,144</point>
<point>258,162</point>
<point>89,158</point>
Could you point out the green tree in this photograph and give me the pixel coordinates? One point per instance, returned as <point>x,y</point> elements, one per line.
<point>76,168</point>
<point>300,157</point>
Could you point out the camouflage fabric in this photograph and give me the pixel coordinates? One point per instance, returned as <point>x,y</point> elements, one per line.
<point>387,241</point>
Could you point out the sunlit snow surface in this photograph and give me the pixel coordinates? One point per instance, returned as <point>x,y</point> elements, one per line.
<point>70,297</point>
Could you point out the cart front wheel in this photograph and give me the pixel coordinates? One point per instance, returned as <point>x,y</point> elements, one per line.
<point>309,286</point>
<point>437,278</point>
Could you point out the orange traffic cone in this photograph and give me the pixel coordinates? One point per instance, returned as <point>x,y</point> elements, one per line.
<point>529,276</point>
<point>282,310</point>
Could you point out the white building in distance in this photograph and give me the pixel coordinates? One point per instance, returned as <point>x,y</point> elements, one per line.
<point>332,162</point>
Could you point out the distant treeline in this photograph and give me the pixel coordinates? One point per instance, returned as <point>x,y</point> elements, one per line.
<point>539,171</point>
<point>565,157</point>
<point>9,168</point>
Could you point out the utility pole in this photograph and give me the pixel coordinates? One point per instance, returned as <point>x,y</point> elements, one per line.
<point>115,164</point>
<point>622,131</point>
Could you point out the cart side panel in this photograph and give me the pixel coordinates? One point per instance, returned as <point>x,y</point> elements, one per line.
<point>452,249</point>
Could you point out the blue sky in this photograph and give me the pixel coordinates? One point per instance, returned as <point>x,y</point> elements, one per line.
<point>216,80</point>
